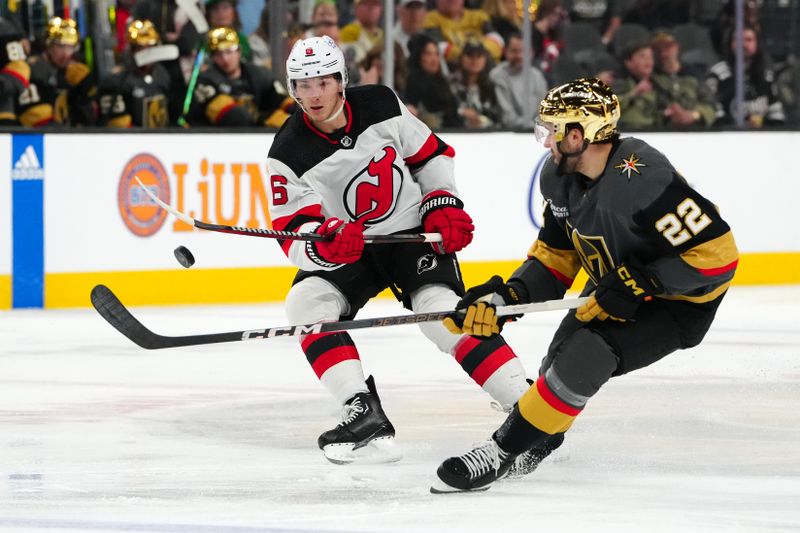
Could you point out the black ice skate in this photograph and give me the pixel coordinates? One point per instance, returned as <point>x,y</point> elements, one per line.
<point>475,470</point>
<point>364,435</point>
<point>527,462</point>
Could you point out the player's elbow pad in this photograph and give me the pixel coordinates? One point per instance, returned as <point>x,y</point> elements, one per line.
<point>535,283</point>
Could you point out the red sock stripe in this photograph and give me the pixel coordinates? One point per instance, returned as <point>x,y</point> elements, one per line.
<point>324,350</point>
<point>464,347</point>
<point>311,338</point>
<point>553,400</point>
<point>333,357</point>
<point>490,365</point>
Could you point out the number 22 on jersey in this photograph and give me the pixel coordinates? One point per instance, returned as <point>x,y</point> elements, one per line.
<point>687,221</point>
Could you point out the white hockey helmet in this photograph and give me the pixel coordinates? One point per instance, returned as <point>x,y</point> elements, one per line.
<point>314,57</point>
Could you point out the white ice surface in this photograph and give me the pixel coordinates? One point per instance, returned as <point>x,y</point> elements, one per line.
<point>97,434</point>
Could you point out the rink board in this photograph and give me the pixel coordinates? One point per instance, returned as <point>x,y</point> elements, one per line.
<point>5,222</point>
<point>100,228</point>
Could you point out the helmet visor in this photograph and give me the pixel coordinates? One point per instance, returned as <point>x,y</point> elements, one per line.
<point>542,130</point>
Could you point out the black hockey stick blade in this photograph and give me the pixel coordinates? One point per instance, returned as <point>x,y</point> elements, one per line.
<point>116,314</point>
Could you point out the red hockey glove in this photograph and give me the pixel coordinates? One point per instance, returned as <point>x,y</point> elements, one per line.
<point>346,244</point>
<point>619,295</point>
<point>441,212</point>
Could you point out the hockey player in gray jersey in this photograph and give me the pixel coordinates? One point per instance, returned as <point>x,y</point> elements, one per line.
<point>355,165</point>
<point>659,259</point>
<point>61,89</point>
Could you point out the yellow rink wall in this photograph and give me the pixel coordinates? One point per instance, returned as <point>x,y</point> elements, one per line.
<point>254,285</point>
<point>66,227</point>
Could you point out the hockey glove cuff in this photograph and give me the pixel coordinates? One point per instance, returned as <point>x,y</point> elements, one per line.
<point>441,212</point>
<point>619,295</point>
<point>476,311</point>
<point>345,243</point>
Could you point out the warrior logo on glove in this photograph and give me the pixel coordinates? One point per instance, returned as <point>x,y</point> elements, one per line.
<point>371,196</point>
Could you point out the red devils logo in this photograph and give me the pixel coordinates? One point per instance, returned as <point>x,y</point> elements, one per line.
<point>371,196</point>
<point>309,52</point>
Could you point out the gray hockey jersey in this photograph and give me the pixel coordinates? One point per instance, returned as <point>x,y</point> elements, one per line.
<point>639,211</point>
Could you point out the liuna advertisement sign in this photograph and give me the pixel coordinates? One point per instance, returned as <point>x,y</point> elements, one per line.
<point>100,219</point>
<point>95,224</point>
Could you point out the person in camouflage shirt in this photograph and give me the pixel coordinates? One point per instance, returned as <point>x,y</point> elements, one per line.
<point>685,101</point>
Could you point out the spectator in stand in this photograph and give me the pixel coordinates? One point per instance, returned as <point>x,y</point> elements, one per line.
<point>505,17</point>
<point>685,101</point>
<point>324,21</point>
<point>428,93</point>
<point>364,32</point>
<point>259,40</point>
<point>223,14</point>
<point>410,20</point>
<point>473,88</point>
<point>603,15</point>
<point>453,25</point>
<point>509,86</point>
<point>637,95</point>
<point>761,103</point>
<point>723,25</point>
<point>546,37</point>
<point>605,69</point>
<point>370,69</point>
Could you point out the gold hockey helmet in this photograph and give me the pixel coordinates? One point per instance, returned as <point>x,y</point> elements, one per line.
<point>143,33</point>
<point>223,38</point>
<point>62,31</point>
<point>585,101</point>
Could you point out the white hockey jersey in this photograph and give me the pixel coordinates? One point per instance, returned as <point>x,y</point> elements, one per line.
<point>375,170</point>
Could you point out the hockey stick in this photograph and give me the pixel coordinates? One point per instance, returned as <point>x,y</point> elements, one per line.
<point>116,314</point>
<point>187,100</point>
<point>196,16</point>
<point>286,235</point>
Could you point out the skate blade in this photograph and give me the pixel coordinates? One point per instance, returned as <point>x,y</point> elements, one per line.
<point>380,450</point>
<point>440,487</point>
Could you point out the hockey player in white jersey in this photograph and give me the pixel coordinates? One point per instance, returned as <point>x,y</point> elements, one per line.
<point>352,162</point>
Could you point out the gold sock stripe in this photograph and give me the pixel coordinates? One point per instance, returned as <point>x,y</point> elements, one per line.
<point>544,411</point>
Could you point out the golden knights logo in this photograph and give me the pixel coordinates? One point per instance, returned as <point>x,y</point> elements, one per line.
<point>629,165</point>
<point>155,111</point>
<point>593,253</point>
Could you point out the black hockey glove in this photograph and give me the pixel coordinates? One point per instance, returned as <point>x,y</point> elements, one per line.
<point>475,312</point>
<point>619,295</point>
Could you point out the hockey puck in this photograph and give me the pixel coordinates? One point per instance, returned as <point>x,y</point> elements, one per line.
<point>184,256</point>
